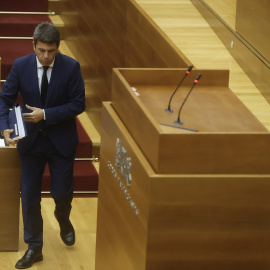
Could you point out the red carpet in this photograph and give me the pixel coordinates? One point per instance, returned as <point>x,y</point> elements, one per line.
<point>10,50</point>
<point>85,177</point>
<point>20,25</point>
<point>24,5</point>
<point>85,174</point>
<point>84,150</point>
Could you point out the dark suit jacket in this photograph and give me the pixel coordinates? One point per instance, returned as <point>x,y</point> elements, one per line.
<point>65,99</point>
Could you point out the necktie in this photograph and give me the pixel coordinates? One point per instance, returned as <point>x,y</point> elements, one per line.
<point>44,85</point>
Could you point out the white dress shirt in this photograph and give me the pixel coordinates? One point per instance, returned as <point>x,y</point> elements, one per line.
<point>40,73</point>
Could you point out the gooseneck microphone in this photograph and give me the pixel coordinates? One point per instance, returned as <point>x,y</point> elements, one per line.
<point>178,122</point>
<point>169,105</point>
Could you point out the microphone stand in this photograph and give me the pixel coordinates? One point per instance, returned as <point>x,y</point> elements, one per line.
<point>178,122</point>
<point>169,105</point>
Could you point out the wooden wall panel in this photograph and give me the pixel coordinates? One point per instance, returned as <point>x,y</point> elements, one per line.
<point>121,234</point>
<point>10,175</point>
<point>137,47</point>
<point>104,34</point>
<point>252,23</point>
<point>209,222</point>
<point>150,40</point>
<point>252,63</point>
<point>95,37</point>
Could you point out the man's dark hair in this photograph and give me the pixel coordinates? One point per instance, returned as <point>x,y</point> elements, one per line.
<point>46,32</point>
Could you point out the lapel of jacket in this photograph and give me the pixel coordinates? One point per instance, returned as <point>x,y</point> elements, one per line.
<point>56,74</point>
<point>33,80</point>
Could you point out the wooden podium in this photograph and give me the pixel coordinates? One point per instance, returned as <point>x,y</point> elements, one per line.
<point>10,180</point>
<point>190,196</point>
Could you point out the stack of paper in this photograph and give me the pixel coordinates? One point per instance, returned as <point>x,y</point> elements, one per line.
<point>16,123</point>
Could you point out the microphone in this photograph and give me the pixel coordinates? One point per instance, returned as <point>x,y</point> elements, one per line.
<point>169,105</point>
<point>178,122</point>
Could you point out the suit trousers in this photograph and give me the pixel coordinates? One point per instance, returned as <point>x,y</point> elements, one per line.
<point>32,166</point>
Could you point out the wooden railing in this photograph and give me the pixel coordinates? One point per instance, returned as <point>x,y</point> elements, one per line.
<point>27,12</point>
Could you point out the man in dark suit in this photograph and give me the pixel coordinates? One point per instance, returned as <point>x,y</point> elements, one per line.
<point>52,91</point>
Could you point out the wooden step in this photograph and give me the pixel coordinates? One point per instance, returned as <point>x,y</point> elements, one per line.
<point>92,133</point>
<point>56,6</point>
<point>85,177</point>
<point>20,25</point>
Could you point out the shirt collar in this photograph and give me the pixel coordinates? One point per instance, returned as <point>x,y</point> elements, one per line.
<point>41,66</point>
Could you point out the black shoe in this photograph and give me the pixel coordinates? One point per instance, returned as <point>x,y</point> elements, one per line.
<point>29,258</point>
<point>67,232</point>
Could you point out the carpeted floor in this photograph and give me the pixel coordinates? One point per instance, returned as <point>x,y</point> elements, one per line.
<point>19,25</point>
<point>24,5</point>
<point>10,49</point>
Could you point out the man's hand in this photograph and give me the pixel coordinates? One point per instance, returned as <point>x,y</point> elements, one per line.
<point>6,134</point>
<point>35,116</point>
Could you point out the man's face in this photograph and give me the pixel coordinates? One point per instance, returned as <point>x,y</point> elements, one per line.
<point>45,52</point>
